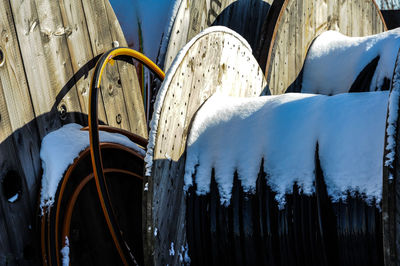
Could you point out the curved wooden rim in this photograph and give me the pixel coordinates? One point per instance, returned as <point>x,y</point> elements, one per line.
<point>278,23</point>
<point>283,8</point>
<point>380,15</point>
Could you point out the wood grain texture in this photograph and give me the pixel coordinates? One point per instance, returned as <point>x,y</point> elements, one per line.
<point>129,80</point>
<point>78,41</point>
<point>217,61</point>
<point>300,22</point>
<point>46,58</point>
<point>17,144</point>
<point>49,49</point>
<point>101,41</point>
<point>194,16</point>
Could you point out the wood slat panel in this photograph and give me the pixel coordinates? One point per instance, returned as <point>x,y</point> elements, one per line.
<point>46,58</point>
<point>19,140</point>
<point>194,16</point>
<point>102,40</point>
<point>47,47</point>
<point>79,47</point>
<point>129,81</point>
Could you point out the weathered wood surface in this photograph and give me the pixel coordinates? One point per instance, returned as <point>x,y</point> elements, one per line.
<point>391,178</point>
<point>300,22</point>
<point>48,52</point>
<point>244,16</point>
<point>216,62</point>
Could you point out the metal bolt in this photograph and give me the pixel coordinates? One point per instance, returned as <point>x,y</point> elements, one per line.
<point>62,110</point>
<point>115,44</point>
<point>119,119</point>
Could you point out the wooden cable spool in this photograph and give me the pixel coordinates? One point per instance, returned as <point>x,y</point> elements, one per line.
<point>74,202</point>
<point>129,248</point>
<point>218,60</point>
<point>49,49</point>
<point>300,22</point>
<point>246,17</point>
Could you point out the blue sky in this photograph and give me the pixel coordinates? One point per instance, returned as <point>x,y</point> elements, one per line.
<point>154,15</point>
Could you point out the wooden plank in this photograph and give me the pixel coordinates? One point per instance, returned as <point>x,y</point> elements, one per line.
<point>47,53</point>
<point>19,214</point>
<point>311,18</point>
<point>80,49</point>
<point>101,41</point>
<point>129,81</point>
<point>217,61</point>
<point>195,16</point>
<point>18,102</point>
<point>46,58</point>
<point>19,153</point>
<point>6,256</point>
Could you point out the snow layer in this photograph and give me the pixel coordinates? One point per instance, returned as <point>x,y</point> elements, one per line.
<point>334,61</point>
<point>65,253</point>
<point>235,134</point>
<point>166,83</point>
<point>171,250</point>
<point>184,254</point>
<point>60,148</point>
<point>13,198</point>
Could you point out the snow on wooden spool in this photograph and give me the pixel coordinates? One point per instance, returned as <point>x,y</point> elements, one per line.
<point>296,181</point>
<point>298,24</point>
<point>246,17</point>
<point>216,60</point>
<point>69,207</point>
<point>48,51</point>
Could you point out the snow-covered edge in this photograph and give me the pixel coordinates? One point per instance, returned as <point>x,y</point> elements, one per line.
<point>50,183</point>
<point>65,253</point>
<point>393,113</point>
<point>165,85</point>
<point>167,31</point>
<point>184,255</point>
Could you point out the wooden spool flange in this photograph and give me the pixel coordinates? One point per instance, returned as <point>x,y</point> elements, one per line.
<point>216,60</point>
<point>391,175</point>
<point>49,51</point>
<point>244,16</point>
<point>300,22</point>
